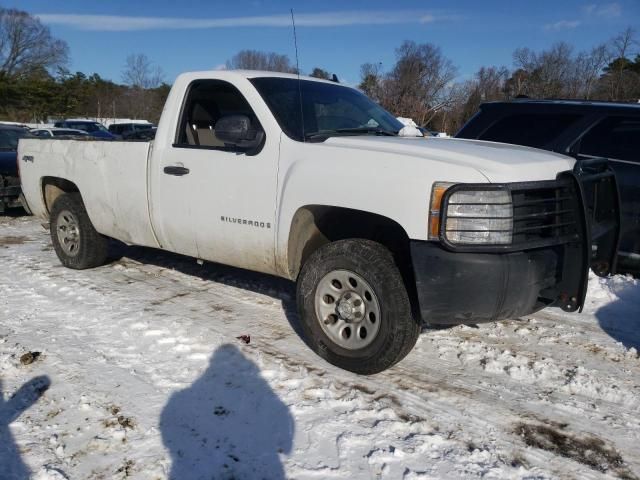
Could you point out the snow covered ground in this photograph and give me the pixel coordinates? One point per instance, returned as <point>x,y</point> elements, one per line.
<point>140,375</point>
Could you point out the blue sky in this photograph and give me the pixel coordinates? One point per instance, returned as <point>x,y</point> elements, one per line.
<point>336,35</point>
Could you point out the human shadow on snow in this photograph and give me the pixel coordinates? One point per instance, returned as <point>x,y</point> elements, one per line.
<point>11,465</point>
<point>621,319</point>
<point>227,424</point>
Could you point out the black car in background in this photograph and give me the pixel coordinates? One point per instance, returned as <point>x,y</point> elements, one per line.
<point>95,129</point>
<point>10,192</point>
<point>583,130</point>
<point>130,130</point>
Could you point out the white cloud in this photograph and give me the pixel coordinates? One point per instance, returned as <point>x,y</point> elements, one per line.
<point>326,19</point>
<point>562,25</point>
<point>608,10</point>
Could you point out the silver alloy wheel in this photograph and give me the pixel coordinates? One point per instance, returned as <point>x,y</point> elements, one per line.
<point>347,309</point>
<point>68,232</point>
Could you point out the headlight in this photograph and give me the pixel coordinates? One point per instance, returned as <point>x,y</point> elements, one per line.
<point>474,215</point>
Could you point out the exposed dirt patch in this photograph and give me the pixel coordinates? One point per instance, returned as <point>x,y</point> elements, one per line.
<point>126,422</point>
<point>126,469</point>
<point>220,308</point>
<point>588,450</point>
<point>11,240</point>
<point>363,389</point>
<point>29,357</point>
<point>220,411</point>
<point>168,299</point>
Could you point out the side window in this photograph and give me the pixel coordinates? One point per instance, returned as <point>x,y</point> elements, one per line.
<point>614,137</point>
<point>207,101</point>
<point>531,130</point>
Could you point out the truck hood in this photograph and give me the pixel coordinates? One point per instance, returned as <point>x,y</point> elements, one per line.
<point>497,162</point>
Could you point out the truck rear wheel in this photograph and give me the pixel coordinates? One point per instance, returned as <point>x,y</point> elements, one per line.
<point>354,308</point>
<point>75,240</point>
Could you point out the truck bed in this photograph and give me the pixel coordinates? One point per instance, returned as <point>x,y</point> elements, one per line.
<point>112,177</point>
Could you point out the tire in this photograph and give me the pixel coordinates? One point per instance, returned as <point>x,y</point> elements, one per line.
<point>334,329</point>
<point>75,240</point>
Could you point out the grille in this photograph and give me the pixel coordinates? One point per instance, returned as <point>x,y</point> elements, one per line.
<point>545,213</point>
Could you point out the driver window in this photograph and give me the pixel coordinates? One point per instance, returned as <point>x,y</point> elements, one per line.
<point>207,102</point>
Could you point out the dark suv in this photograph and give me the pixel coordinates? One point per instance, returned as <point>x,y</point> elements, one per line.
<point>10,192</point>
<point>126,130</point>
<point>583,130</point>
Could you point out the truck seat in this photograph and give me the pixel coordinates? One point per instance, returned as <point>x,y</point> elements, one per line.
<point>200,127</point>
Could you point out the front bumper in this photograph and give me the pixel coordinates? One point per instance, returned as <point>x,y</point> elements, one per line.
<point>549,265</point>
<point>455,288</point>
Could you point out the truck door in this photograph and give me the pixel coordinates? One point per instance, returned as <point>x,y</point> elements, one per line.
<point>211,200</point>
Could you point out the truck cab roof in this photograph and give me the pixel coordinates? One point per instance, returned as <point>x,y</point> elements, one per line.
<point>249,74</point>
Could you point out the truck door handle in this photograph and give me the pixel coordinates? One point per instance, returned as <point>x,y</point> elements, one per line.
<point>176,170</point>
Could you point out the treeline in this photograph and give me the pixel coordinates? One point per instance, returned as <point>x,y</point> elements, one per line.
<point>422,84</point>
<point>41,96</point>
<point>35,85</point>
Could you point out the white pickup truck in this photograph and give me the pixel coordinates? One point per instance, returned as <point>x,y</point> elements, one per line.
<point>308,180</point>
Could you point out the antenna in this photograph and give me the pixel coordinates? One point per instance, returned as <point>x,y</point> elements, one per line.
<point>295,43</point>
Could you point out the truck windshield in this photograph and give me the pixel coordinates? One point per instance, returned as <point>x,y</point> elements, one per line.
<point>328,109</point>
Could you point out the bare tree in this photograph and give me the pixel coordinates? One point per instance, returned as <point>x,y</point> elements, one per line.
<point>489,84</point>
<point>256,60</point>
<point>139,72</point>
<point>420,82</point>
<point>143,77</point>
<point>587,68</point>
<point>371,79</point>
<point>548,72</point>
<point>620,80</point>
<point>26,45</point>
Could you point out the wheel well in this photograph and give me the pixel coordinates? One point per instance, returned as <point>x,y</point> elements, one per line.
<point>316,225</point>
<point>53,187</point>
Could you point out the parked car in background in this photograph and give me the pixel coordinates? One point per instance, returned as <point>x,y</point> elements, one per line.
<point>95,129</point>
<point>123,130</point>
<point>144,134</point>
<point>583,130</point>
<point>10,192</point>
<point>57,132</point>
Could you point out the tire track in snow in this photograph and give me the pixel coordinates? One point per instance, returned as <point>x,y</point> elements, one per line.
<point>432,405</point>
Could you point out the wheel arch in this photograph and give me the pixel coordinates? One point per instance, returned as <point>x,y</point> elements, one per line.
<point>313,226</point>
<point>53,187</point>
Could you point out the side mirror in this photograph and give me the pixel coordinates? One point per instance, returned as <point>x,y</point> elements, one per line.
<point>236,130</point>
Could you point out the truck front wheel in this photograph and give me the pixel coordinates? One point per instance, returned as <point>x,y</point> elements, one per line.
<point>75,240</point>
<point>354,308</point>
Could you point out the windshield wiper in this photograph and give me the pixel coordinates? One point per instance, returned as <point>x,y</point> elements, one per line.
<point>352,131</point>
<point>373,130</point>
